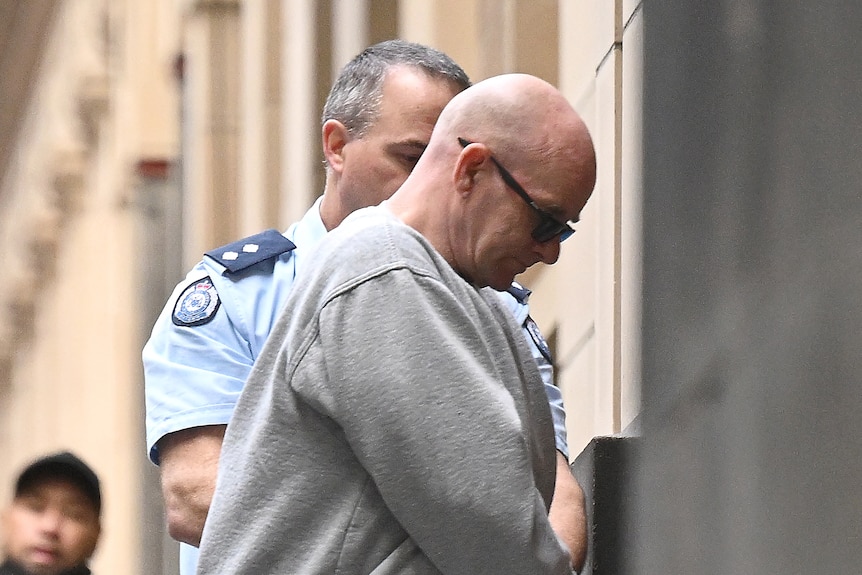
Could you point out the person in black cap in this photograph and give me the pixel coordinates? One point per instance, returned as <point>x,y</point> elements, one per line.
<point>52,526</point>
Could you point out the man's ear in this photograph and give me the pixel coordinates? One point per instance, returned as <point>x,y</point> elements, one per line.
<point>468,166</point>
<point>334,137</point>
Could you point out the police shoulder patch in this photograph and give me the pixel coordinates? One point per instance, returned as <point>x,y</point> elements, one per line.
<point>197,304</point>
<point>536,335</point>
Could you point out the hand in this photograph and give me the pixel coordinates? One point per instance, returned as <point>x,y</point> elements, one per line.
<point>568,513</point>
<point>189,464</point>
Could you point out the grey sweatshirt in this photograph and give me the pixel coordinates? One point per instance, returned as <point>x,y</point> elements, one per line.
<point>395,423</point>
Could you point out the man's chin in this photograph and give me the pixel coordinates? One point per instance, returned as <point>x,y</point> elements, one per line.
<point>43,568</point>
<point>502,284</point>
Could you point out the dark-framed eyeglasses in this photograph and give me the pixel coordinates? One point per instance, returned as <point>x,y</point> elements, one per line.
<point>548,227</point>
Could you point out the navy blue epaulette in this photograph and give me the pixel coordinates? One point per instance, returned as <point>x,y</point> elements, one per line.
<point>519,292</point>
<point>246,252</point>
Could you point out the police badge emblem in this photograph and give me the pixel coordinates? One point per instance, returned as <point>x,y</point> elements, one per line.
<point>197,304</point>
<point>540,342</point>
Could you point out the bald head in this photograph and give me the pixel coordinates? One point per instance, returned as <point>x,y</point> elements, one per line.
<point>459,197</point>
<point>521,115</point>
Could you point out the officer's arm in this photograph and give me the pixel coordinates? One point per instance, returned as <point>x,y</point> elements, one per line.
<point>189,463</point>
<point>568,513</point>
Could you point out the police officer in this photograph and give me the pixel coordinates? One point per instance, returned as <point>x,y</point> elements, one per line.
<point>376,123</point>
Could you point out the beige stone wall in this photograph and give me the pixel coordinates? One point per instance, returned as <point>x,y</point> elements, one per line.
<point>95,230</point>
<point>101,99</point>
<point>589,301</point>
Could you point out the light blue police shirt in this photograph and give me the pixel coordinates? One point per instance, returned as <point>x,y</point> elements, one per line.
<point>205,341</point>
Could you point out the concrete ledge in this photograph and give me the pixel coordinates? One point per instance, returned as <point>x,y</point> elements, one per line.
<point>604,471</point>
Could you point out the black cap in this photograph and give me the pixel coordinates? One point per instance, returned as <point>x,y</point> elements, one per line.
<point>62,465</point>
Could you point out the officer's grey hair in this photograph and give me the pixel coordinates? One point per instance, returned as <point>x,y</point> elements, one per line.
<point>354,99</point>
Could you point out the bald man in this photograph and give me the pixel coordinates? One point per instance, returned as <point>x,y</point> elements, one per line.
<point>395,421</point>
<point>377,121</point>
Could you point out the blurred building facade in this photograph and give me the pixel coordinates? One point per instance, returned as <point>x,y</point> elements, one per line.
<point>134,136</point>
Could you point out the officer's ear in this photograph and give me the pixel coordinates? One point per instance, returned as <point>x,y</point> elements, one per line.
<point>334,137</point>
<point>472,159</point>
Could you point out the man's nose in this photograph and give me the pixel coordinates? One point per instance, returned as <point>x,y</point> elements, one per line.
<point>549,251</point>
<point>50,521</point>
